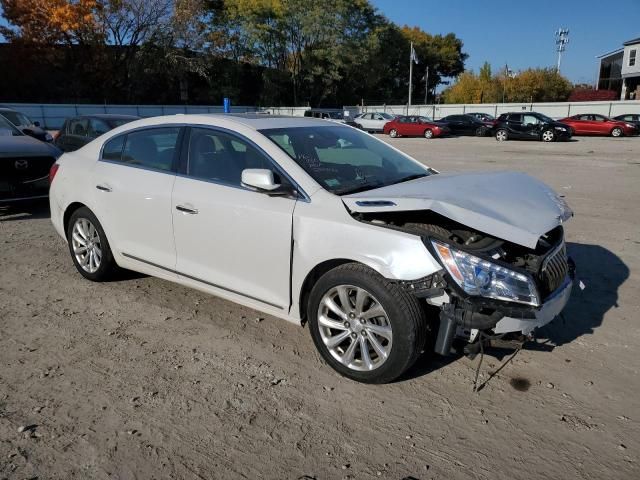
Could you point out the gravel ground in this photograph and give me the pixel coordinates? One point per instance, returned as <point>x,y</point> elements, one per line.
<point>141,378</point>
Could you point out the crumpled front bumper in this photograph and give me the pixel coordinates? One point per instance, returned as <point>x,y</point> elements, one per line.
<point>549,310</point>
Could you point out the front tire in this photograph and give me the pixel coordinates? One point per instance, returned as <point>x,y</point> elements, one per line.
<point>617,132</point>
<point>548,136</point>
<point>481,131</point>
<point>366,327</point>
<point>393,133</point>
<point>89,247</point>
<point>428,134</point>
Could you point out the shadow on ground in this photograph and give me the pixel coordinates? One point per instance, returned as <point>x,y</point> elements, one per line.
<point>24,210</point>
<point>602,272</point>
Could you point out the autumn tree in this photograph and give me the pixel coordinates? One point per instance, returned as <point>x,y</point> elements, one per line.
<point>531,85</point>
<point>49,22</point>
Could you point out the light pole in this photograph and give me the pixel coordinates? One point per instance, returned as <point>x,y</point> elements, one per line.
<point>562,38</point>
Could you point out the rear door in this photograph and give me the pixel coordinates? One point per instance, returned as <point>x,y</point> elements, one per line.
<point>582,124</point>
<point>228,236</point>
<point>133,180</point>
<point>514,125</point>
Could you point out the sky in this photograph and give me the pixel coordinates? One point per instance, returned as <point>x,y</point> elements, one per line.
<point>520,33</point>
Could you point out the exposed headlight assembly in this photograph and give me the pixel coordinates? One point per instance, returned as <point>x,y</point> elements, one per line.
<point>562,129</point>
<point>479,277</point>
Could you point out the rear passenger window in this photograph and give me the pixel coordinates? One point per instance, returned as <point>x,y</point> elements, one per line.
<point>220,157</point>
<point>112,150</point>
<point>153,148</point>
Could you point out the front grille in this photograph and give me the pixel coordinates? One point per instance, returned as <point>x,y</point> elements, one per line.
<point>554,269</point>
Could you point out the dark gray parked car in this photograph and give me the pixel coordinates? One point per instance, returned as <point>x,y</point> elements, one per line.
<point>78,131</point>
<point>24,164</point>
<point>25,124</point>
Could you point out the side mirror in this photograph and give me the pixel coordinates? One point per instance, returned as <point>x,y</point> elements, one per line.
<point>263,181</point>
<point>36,124</point>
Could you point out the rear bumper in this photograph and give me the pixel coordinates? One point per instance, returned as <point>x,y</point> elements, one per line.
<point>16,191</point>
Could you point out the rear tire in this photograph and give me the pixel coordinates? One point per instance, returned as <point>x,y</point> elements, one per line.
<point>395,331</point>
<point>89,247</point>
<point>617,132</point>
<point>393,133</point>
<point>502,135</point>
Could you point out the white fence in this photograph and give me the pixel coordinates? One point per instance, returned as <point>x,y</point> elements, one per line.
<point>52,116</point>
<point>554,110</point>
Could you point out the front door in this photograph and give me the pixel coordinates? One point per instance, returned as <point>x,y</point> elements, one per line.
<point>230,237</point>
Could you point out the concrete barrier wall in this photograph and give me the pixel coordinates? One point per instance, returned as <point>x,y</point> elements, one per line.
<point>52,116</point>
<point>553,110</point>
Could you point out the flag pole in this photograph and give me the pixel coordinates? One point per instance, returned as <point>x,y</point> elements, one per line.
<point>410,75</point>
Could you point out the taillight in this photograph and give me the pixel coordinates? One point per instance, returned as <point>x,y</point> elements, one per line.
<point>52,172</point>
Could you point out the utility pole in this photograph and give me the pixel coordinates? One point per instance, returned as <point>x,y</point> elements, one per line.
<point>412,58</point>
<point>562,38</point>
<point>426,84</point>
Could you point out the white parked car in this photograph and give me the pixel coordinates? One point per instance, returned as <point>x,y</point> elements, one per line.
<point>318,223</point>
<point>373,121</point>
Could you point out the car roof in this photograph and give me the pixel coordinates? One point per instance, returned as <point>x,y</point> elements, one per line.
<point>251,120</point>
<point>109,116</point>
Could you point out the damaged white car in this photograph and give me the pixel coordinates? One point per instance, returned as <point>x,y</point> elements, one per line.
<point>318,223</point>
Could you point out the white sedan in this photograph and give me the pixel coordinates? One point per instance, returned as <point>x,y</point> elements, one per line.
<point>374,121</point>
<point>322,224</point>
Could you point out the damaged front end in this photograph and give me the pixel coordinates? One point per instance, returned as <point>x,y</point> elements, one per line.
<point>487,285</point>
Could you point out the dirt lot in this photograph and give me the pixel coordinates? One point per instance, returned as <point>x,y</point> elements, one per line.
<point>140,378</point>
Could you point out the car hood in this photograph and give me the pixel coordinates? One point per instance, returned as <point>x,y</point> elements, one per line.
<point>26,146</point>
<point>508,205</point>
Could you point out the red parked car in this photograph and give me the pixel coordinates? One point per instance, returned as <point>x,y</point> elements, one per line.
<point>595,124</point>
<point>414,126</point>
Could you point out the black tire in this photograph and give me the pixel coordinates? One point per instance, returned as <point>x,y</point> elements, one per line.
<point>393,133</point>
<point>108,266</point>
<point>405,315</point>
<point>617,132</point>
<point>428,134</point>
<point>481,131</point>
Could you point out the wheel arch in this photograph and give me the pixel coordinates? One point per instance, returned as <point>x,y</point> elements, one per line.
<point>312,277</point>
<point>72,207</point>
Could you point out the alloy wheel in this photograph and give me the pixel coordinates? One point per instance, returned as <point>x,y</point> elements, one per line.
<point>616,132</point>
<point>355,328</point>
<point>428,134</point>
<point>501,135</point>
<point>393,133</point>
<point>86,244</point>
<point>548,136</point>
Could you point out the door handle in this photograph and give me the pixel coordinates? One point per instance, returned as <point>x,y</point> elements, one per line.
<point>183,209</point>
<point>103,188</point>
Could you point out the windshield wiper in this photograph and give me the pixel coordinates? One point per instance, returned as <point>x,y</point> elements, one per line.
<point>358,189</point>
<point>408,178</point>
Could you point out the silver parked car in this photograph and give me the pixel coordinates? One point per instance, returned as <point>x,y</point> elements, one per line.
<point>373,121</point>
